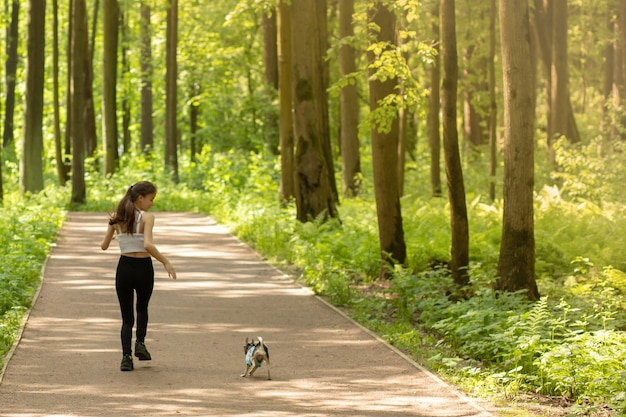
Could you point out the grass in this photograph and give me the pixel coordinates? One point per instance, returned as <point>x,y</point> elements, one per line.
<point>569,345</point>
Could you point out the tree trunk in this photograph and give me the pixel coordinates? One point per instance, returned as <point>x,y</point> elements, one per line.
<point>516,265</point>
<point>285,128</point>
<point>493,104</point>
<point>171,129</point>
<point>314,197</point>
<point>126,76</point>
<point>11,72</point>
<point>67,145</point>
<point>454,172</point>
<point>109,84</point>
<point>147,127</point>
<point>31,164</point>
<point>558,74</point>
<point>91,137</point>
<point>385,150</point>
<point>194,112</point>
<point>78,49</point>
<point>270,59</point>
<point>434,135</point>
<point>349,106</point>
<point>58,145</point>
<point>544,19</point>
<point>323,75</point>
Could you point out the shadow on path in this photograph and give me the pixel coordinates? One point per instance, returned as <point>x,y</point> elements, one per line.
<point>67,361</point>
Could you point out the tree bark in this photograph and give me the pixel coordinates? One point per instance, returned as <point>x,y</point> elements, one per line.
<point>385,149</point>
<point>349,106</point>
<point>109,84</point>
<point>31,164</point>
<point>558,74</point>
<point>454,173</point>
<point>58,145</point>
<point>91,137</point>
<point>434,135</point>
<point>126,76</point>
<point>270,59</point>
<point>285,128</point>
<point>10,73</point>
<point>516,264</point>
<point>78,41</point>
<point>493,104</point>
<point>171,100</point>
<point>147,124</point>
<point>314,197</point>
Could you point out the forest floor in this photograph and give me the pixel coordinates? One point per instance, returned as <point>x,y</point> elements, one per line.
<point>322,363</point>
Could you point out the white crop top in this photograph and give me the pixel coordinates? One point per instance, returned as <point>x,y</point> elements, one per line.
<point>131,243</point>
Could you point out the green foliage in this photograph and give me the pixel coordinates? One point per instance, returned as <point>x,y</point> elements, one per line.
<point>28,226</point>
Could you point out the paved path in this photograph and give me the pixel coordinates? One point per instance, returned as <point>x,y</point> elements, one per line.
<point>67,361</point>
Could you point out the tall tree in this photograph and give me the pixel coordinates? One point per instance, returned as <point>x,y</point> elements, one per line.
<point>78,41</point>
<point>454,172</point>
<point>544,20</point>
<point>385,141</point>
<point>10,68</point>
<point>58,145</point>
<point>270,60</point>
<point>434,107</point>
<point>171,91</point>
<point>110,22</point>
<point>314,196</point>
<point>493,104</point>
<point>126,77</point>
<point>147,124</point>
<point>559,94</point>
<point>349,105</point>
<point>91,137</point>
<point>31,164</point>
<point>516,264</point>
<point>285,102</point>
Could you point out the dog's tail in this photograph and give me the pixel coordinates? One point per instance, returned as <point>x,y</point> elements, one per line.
<point>260,339</point>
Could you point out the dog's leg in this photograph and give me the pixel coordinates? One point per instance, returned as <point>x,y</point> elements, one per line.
<point>245,372</point>
<point>268,369</point>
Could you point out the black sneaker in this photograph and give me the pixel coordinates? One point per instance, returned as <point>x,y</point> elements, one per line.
<point>127,363</point>
<point>141,352</point>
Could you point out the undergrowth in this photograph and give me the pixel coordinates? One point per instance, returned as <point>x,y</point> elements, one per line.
<point>569,344</point>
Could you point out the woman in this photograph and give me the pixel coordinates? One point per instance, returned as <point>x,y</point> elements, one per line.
<point>133,225</point>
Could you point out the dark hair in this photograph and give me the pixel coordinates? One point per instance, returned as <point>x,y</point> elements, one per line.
<point>124,214</point>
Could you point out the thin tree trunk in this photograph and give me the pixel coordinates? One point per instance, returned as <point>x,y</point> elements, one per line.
<point>434,134</point>
<point>147,127</point>
<point>10,73</point>
<point>285,128</point>
<point>493,104</point>
<point>171,99</point>
<point>126,110</point>
<point>58,146</point>
<point>194,112</point>
<point>270,59</point>
<point>77,128</point>
<point>109,84</point>
<point>454,173</point>
<point>349,106</point>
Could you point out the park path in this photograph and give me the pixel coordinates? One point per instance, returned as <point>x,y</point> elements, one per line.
<point>323,364</point>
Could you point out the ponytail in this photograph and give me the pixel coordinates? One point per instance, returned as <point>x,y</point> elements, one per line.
<point>124,214</point>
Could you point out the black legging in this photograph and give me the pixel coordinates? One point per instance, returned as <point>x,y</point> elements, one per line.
<point>134,274</point>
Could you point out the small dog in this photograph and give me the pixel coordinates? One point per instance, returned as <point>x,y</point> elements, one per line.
<point>256,354</point>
